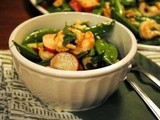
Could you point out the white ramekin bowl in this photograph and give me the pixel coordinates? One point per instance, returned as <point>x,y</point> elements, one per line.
<point>72,90</point>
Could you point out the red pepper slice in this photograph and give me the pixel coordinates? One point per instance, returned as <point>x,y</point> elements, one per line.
<point>75,5</point>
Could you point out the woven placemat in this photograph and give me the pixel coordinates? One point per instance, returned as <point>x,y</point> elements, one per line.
<point>152,55</point>
<point>17,102</point>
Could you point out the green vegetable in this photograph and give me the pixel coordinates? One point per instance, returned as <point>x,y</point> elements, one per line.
<point>63,8</point>
<point>128,3</point>
<point>81,55</point>
<point>118,7</point>
<point>32,45</point>
<point>27,52</point>
<point>102,53</point>
<point>151,2</point>
<point>99,9</point>
<point>95,62</point>
<point>36,36</point>
<point>156,18</point>
<point>92,52</point>
<point>69,36</point>
<point>125,22</point>
<point>97,59</point>
<point>108,50</point>
<point>101,30</point>
<point>117,13</point>
<point>100,46</point>
<point>44,62</point>
<point>39,1</point>
<point>141,18</point>
<point>110,54</point>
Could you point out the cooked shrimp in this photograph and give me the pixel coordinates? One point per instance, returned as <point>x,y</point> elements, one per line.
<point>129,13</point>
<point>158,5</point>
<point>58,3</point>
<point>89,3</point>
<point>149,29</point>
<point>107,10</point>
<point>87,60</point>
<point>149,10</point>
<point>59,42</point>
<point>78,33</point>
<point>44,55</point>
<point>79,25</point>
<point>85,43</point>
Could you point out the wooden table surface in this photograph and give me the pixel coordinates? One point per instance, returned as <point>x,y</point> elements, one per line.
<point>12,13</point>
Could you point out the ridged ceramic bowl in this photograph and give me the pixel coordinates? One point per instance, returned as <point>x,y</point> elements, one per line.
<point>72,90</point>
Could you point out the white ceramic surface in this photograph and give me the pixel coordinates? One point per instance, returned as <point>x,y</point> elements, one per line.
<point>39,8</point>
<point>73,90</point>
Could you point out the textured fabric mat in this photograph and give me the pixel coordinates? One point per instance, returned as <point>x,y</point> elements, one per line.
<point>16,101</point>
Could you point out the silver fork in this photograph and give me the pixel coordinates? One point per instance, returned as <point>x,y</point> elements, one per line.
<point>154,56</point>
<point>146,99</point>
<point>147,74</point>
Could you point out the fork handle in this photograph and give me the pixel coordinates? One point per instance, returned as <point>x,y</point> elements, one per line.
<point>146,99</point>
<point>150,76</point>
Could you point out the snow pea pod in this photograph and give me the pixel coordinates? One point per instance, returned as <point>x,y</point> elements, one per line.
<point>128,3</point>
<point>118,7</point>
<point>64,7</point>
<point>119,16</point>
<point>99,9</point>
<point>27,52</point>
<point>100,46</point>
<point>156,18</point>
<point>125,22</point>
<point>110,54</point>
<point>101,30</point>
<point>44,62</point>
<point>109,51</point>
<point>36,36</point>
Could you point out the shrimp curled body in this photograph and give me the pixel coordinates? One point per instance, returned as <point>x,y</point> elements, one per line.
<point>149,10</point>
<point>84,41</point>
<point>149,29</point>
<point>59,42</point>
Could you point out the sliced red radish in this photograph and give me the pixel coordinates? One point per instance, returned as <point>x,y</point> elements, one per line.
<point>48,41</point>
<point>80,67</point>
<point>64,61</point>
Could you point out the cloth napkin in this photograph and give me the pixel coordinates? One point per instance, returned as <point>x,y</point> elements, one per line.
<point>17,102</point>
